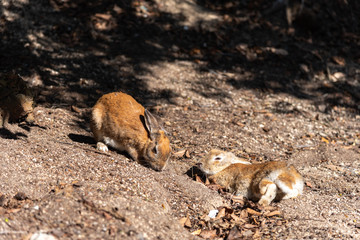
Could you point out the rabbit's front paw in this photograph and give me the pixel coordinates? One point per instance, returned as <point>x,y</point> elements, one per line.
<point>102,147</point>
<point>264,201</point>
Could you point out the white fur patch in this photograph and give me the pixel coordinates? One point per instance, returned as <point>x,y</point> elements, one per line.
<point>296,191</point>
<point>237,160</point>
<point>102,147</point>
<point>112,143</point>
<point>293,192</point>
<point>273,175</point>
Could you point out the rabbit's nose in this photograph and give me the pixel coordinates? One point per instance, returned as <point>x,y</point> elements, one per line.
<point>199,164</point>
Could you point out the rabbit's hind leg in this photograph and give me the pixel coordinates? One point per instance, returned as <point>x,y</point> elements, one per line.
<point>268,191</point>
<point>290,184</point>
<point>290,192</point>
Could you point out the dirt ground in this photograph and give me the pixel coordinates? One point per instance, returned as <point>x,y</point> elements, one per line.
<point>230,75</point>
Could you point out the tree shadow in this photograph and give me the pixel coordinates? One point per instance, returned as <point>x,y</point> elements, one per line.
<point>75,51</point>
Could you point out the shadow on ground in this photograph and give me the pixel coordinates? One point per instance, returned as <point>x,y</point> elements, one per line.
<point>74,51</point>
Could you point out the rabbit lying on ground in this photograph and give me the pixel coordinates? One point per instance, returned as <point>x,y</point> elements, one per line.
<point>263,182</point>
<point>119,121</point>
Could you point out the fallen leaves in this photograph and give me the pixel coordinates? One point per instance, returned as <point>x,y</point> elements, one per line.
<point>234,234</point>
<point>179,154</point>
<point>253,212</point>
<point>103,22</point>
<point>338,60</point>
<point>243,219</point>
<point>185,222</point>
<point>196,232</point>
<point>10,205</point>
<point>208,234</point>
<point>274,213</point>
<point>184,153</point>
<point>325,140</point>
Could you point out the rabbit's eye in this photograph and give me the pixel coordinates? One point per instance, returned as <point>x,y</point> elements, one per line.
<point>217,158</point>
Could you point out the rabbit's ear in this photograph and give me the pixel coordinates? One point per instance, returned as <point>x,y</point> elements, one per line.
<point>151,124</point>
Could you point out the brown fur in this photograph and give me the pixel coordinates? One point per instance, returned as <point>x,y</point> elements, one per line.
<point>13,108</point>
<point>120,118</point>
<point>16,100</point>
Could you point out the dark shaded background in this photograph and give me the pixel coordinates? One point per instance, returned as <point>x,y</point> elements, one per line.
<point>77,50</point>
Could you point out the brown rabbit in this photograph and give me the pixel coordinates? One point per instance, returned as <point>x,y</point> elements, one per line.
<point>16,108</point>
<point>16,100</point>
<point>263,182</point>
<point>119,121</point>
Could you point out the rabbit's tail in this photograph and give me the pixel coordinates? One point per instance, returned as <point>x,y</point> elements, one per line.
<point>97,117</point>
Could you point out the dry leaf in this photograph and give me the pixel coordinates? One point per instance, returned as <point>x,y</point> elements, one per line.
<point>179,153</point>
<point>269,208</point>
<point>208,234</point>
<point>277,51</point>
<point>238,199</point>
<point>117,9</point>
<point>215,187</point>
<point>220,214</point>
<point>237,219</point>
<point>207,182</point>
<point>198,179</point>
<point>244,214</point>
<point>274,213</point>
<point>257,234</point>
<point>185,222</point>
<point>324,140</point>
<point>182,221</point>
<point>248,233</point>
<point>187,154</point>
<point>103,16</point>
<point>107,216</point>
<point>304,68</point>
<point>250,225</point>
<point>253,212</point>
<point>196,232</point>
<point>195,51</point>
<point>205,217</point>
<point>223,225</point>
<point>339,75</point>
<point>238,123</point>
<point>2,211</point>
<point>188,223</point>
<point>75,109</point>
<point>14,210</point>
<point>308,184</point>
<point>339,60</point>
<point>234,234</point>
